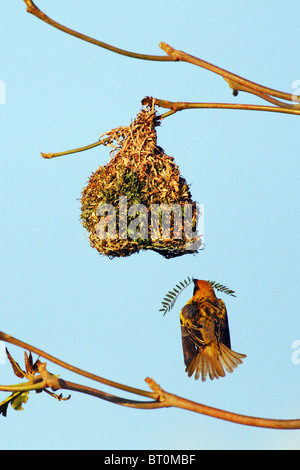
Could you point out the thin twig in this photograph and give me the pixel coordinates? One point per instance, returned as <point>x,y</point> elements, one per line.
<point>68,152</point>
<point>246,85</point>
<point>10,339</point>
<point>71,386</point>
<point>37,384</point>
<point>34,10</point>
<point>176,106</point>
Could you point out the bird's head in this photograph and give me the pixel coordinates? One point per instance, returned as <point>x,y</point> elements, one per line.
<point>203,290</point>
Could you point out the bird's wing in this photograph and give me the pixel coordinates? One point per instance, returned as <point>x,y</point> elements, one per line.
<point>191,336</point>
<point>188,345</point>
<point>222,326</point>
<point>189,310</point>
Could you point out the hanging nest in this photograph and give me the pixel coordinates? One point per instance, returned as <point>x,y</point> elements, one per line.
<point>139,200</point>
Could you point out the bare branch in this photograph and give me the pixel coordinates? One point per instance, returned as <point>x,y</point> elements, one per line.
<point>34,10</point>
<point>235,81</point>
<point>68,152</point>
<point>161,398</point>
<point>176,106</point>
<point>170,399</point>
<point>66,385</point>
<point>10,339</point>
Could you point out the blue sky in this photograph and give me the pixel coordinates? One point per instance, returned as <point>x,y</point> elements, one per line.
<point>102,315</point>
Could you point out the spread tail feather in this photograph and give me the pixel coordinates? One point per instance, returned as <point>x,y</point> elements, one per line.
<point>212,360</point>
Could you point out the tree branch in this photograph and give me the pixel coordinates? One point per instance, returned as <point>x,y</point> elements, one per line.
<point>10,339</point>
<point>236,82</point>
<point>34,10</point>
<point>80,149</point>
<point>161,398</point>
<point>179,402</point>
<point>176,106</point>
<point>146,405</point>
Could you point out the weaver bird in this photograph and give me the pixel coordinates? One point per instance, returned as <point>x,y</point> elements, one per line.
<point>205,335</point>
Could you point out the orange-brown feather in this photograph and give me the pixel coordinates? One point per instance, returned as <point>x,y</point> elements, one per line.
<point>205,335</point>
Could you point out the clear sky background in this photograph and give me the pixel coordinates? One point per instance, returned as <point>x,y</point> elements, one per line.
<point>60,295</point>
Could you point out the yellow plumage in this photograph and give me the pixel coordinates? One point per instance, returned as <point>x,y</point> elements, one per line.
<point>205,335</point>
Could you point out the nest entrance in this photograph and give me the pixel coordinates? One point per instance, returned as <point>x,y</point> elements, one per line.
<point>139,200</point>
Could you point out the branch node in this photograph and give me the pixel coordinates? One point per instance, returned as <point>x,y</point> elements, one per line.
<point>169,50</point>
<point>156,389</point>
<point>234,86</point>
<point>50,380</point>
<point>31,7</point>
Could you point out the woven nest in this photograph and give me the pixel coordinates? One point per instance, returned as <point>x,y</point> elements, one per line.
<point>124,201</point>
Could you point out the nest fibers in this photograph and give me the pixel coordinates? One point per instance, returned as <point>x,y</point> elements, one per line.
<point>139,200</point>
